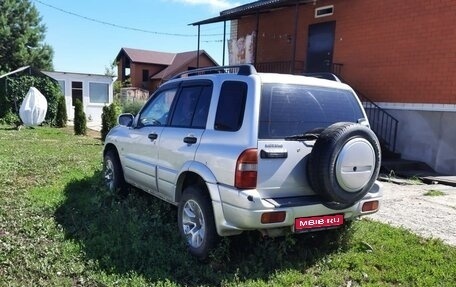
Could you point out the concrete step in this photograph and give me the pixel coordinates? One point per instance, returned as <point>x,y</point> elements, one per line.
<point>407,168</point>
<point>394,168</point>
<point>446,180</point>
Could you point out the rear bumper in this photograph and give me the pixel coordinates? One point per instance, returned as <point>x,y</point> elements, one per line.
<point>242,210</point>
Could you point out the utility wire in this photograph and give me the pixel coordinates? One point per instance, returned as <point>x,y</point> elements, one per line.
<point>125,27</point>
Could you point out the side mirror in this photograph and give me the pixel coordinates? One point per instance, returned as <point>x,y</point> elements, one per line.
<point>125,120</point>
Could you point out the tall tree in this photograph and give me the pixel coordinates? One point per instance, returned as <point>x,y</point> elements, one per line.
<point>22,37</point>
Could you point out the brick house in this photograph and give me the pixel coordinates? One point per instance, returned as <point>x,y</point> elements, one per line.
<point>148,69</point>
<point>399,54</point>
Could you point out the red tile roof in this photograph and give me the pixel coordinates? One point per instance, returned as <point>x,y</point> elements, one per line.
<point>173,62</point>
<point>181,60</point>
<point>147,57</point>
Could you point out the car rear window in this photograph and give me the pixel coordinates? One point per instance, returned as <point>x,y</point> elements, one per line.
<point>295,109</point>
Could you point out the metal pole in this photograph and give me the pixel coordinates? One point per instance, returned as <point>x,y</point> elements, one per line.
<point>224,42</point>
<point>198,53</point>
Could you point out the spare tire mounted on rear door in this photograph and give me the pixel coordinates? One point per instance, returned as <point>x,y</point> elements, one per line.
<point>344,163</point>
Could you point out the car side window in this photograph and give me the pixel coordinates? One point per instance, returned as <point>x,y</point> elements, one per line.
<point>192,107</point>
<point>202,108</point>
<point>157,109</point>
<point>185,106</point>
<point>231,105</point>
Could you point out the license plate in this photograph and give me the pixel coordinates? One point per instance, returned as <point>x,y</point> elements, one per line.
<point>304,223</point>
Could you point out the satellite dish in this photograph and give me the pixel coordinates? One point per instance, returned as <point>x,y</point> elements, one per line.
<point>33,108</point>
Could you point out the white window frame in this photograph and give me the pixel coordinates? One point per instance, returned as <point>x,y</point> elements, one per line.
<point>323,8</point>
<point>62,87</point>
<point>107,93</point>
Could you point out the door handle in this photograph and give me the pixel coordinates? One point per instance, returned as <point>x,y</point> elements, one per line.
<point>190,140</point>
<point>152,136</point>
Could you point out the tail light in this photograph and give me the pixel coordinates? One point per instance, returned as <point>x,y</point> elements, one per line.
<point>246,169</point>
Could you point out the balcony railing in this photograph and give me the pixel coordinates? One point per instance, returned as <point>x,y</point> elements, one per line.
<point>382,123</point>
<point>282,67</point>
<point>291,67</point>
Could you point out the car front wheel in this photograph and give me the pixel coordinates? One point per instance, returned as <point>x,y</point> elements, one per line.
<point>113,174</point>
<point>196,222</point>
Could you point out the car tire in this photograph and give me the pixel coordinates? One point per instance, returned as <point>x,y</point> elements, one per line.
<point>113,174</point>
<point>344,163</point>
<point>196,222</point>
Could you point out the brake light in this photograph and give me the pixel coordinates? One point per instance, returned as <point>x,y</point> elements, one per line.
<point>246,169</point>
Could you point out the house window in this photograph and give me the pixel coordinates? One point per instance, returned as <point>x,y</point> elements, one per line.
<point>62,86</point>
<point>99,93</point>
<point>324,11</point>
<point>145,75</point>
<point>76,92</point>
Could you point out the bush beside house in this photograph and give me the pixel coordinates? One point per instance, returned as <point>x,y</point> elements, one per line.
<point>80,121</point>
<point>131,107</point>
<point>109,118</point>
<point>61,117</point>
<point>10,118</point>
<point>16,89</point>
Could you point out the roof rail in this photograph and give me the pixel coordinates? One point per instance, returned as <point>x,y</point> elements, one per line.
<point>243,70</point>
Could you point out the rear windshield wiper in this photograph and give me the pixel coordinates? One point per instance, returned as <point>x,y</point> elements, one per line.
<point>303,137</point>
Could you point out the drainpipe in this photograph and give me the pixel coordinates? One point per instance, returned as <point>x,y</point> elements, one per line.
<point>294,38</point>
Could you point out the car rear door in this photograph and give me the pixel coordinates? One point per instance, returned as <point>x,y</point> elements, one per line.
<point>291,118</point>
<point>179,141</point>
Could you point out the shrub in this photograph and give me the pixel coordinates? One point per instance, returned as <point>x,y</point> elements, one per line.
<point>132,107</point>
<point>61,117</point>
<point>10,118</point>
<point>18,87</point>
<point>109,118</point>
<point>80,121</point>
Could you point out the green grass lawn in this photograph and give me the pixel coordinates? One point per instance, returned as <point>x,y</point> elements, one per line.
<point>60,227</point>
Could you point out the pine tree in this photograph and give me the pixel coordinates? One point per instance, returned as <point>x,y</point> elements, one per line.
<point>109,118</point>
<point>61,117</point>
<point>22,37</point>
<point>80,121</point>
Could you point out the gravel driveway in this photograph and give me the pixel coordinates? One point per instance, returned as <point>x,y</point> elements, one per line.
<point>406,205</point>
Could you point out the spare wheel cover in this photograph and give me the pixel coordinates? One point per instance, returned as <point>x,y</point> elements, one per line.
<point>355,164</point>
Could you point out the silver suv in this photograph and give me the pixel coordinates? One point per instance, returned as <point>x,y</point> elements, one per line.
<point>238,150</point>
